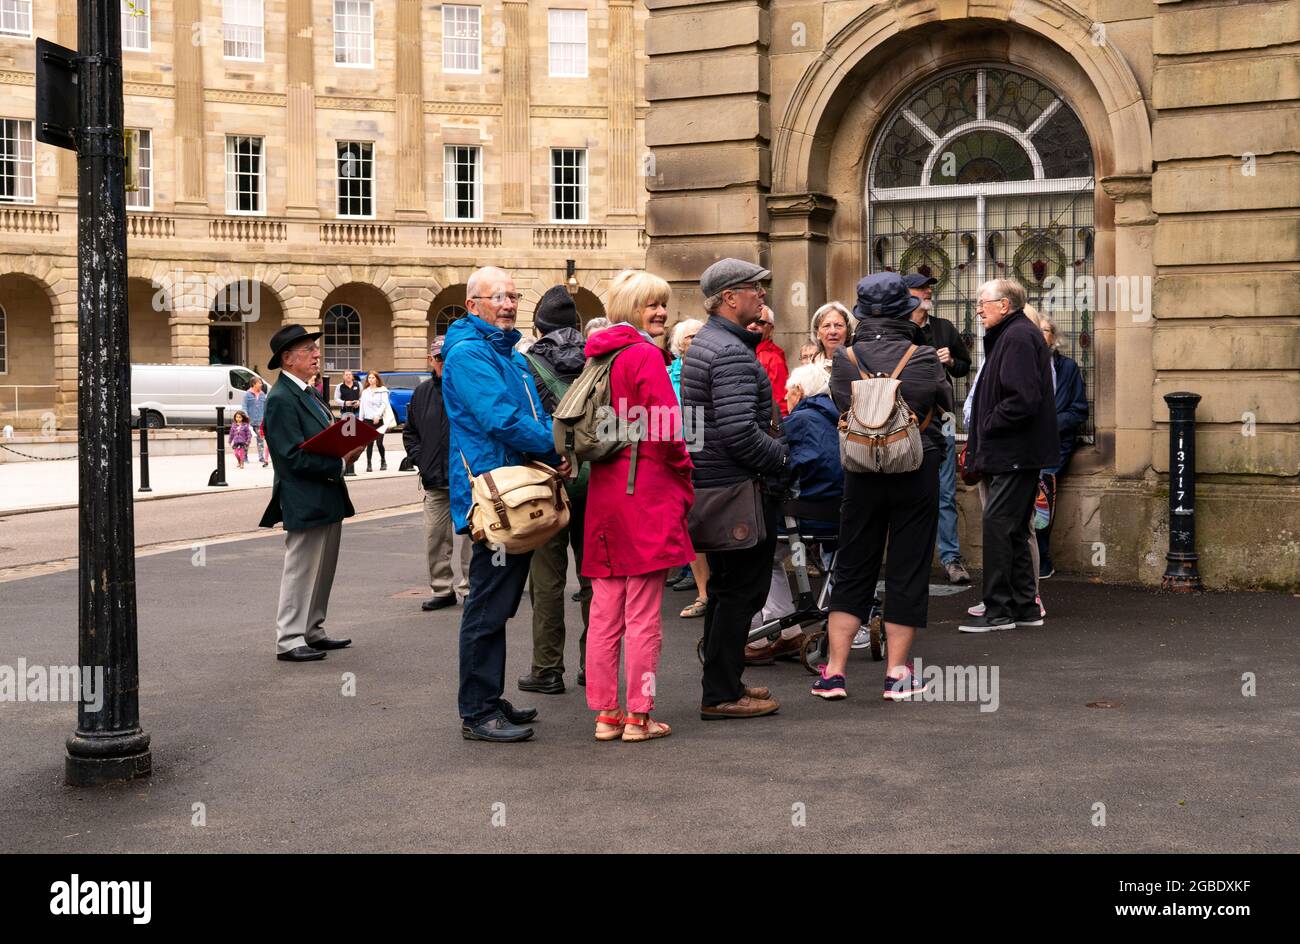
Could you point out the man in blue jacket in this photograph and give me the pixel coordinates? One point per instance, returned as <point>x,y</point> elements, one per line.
<point>496,420</point>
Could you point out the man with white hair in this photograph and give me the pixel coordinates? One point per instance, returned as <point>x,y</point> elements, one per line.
<point>496,420</point>
<point>1012,436</point>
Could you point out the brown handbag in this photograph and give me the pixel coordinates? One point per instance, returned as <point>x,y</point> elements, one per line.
<point>728,517</point>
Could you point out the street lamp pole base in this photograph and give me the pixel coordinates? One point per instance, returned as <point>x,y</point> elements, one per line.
<point>96,761</point>
<point>1182,575</point>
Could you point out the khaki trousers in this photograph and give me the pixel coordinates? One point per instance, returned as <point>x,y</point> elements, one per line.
<point>439,540</point>
<point>310,557</point>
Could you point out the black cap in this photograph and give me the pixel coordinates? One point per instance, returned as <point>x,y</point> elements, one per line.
<point>287,336</point>
<point>556,310</point>
<point>917,280</point>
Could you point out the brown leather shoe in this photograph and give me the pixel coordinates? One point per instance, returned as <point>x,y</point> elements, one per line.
<point>760,656</point>
<point>788,648</point>
<point>759,691</point>
<point>744,707</point>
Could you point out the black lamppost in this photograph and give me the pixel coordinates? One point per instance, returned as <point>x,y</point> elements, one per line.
<point>1182,573</point>
<point>109,744</point>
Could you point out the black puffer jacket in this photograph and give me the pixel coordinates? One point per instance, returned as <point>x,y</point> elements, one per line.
<point>427,435</point>
<point>562,350</point>
<point>727,392</point>
<point>1013,418</point>
<point>879,344</point>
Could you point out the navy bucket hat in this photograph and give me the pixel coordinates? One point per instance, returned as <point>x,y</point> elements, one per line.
<point>884,295</point>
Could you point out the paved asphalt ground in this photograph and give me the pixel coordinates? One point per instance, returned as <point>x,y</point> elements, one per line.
<point>283,761</point>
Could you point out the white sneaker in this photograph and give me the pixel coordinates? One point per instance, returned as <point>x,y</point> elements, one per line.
<point>976,610</point>
<point>862,639</point>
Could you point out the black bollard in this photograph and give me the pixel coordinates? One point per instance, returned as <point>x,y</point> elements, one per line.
<point>144,453</point>
<point>218,478</point>
<point>1182,574</point>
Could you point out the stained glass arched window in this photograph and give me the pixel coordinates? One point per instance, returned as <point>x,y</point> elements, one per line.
<point>341,339</point>
<point>985,173</point>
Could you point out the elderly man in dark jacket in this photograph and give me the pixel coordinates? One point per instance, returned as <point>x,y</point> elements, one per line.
<point>427,440</point>
<point>728,394</point>
<point>556,360</point>
<point>1012,436</point>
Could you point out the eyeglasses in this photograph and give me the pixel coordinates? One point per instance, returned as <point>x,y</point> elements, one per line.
<point>500,298</point>
<point>988,301</point>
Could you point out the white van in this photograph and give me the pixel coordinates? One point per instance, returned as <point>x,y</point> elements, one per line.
<point>182,395</point>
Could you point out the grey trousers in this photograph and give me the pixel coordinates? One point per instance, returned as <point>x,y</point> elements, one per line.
<point>439,540</point>
<point>310,557</point>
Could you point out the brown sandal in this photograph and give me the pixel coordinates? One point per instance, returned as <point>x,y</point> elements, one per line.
<point>614,721</point>
<point>695,609</point>
<point>645,734</point>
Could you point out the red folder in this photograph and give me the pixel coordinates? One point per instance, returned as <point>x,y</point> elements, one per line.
<point>336,441</point>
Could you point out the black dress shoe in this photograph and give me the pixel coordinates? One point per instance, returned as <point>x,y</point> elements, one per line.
<point>301,654</point>
<point>549,683</point>
<point>496,728</point>
<point>324,644</point>
<point>437,603</point>
<point>516,715</point>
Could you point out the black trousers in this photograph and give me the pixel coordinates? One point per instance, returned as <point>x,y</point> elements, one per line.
<point>738,585</point>
<point>900,511</point>
<point>496,585</point>
<point>1009,577</point>
<point>370,446</point>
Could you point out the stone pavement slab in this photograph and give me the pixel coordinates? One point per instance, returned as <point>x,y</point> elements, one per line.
<point>284,761</point>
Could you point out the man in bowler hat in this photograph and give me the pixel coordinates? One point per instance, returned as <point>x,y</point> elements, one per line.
<point>309,496</point>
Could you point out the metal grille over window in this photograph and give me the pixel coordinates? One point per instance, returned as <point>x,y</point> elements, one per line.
<point>135,25</point>
<point>241,29</point>
<point>461,38</point>
<point>568,42</point>
<point>463,183</point>
<point>16,17</point>
<point>341,331</point>
<point>356,179</point>
<point>569,185</point>
<point>17,160</point>
<point>354,32</point>
<point>987,173</point>
<point>243,174</point>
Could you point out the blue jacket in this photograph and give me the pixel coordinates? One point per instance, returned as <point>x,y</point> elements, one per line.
<point>1071,404</point>
<point>812,430</point>
<point>495,414</point>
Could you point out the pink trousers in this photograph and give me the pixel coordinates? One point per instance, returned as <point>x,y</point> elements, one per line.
<point>624,609</point>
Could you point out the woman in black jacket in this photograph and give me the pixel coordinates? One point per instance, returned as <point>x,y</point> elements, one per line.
<point>1071,413</point>
<point>899,509</point>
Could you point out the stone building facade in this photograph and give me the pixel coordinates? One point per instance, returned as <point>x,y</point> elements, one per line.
<point>336,163</point>
<point>1133,162</point>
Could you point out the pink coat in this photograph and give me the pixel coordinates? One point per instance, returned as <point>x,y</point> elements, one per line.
<point>629,535</point>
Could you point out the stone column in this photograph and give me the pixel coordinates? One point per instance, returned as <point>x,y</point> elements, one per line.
<point>709,131</point>
<point>187,57</point>
<point>189,330</point>
<point>410,112</point>
<point>516,169</point>
<point>800,224</point>
<point>623,158</point>
<point>300,123</point>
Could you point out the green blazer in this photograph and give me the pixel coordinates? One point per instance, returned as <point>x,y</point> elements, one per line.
<point>309,490</point>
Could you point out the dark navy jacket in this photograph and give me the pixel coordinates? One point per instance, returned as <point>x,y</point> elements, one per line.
<point>1071,404</point>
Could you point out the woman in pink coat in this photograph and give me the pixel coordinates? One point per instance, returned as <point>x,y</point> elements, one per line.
<point>630,541</point>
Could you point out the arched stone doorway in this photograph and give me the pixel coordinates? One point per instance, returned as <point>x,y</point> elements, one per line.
<point>447,306</point>
<point>27,376</point>
<point>357,326</point>
<point>589,306</point>
<point>243,316</point>
<point>986,172</point>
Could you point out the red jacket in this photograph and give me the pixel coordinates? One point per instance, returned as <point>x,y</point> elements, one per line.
<point>773,360</point>
<point>628,535</point>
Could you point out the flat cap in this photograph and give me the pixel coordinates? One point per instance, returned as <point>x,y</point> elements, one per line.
<point>919,280</point>
<point>728,273</point>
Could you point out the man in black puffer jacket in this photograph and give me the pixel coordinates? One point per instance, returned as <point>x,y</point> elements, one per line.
<point>727,396</point>
<point>556,361</point>
<point>1011,438</point>
<point>427,440</point>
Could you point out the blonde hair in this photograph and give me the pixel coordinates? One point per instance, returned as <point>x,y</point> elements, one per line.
<point>811,379</point>
<point>679,332</point>
<point>630,293</point>
<point>850,324</point>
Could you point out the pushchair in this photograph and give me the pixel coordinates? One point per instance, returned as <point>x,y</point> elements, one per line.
<point>812,607</point>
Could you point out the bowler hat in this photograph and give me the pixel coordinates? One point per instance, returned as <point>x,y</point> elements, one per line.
<point>884,295</point>
<point>284,338</point>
